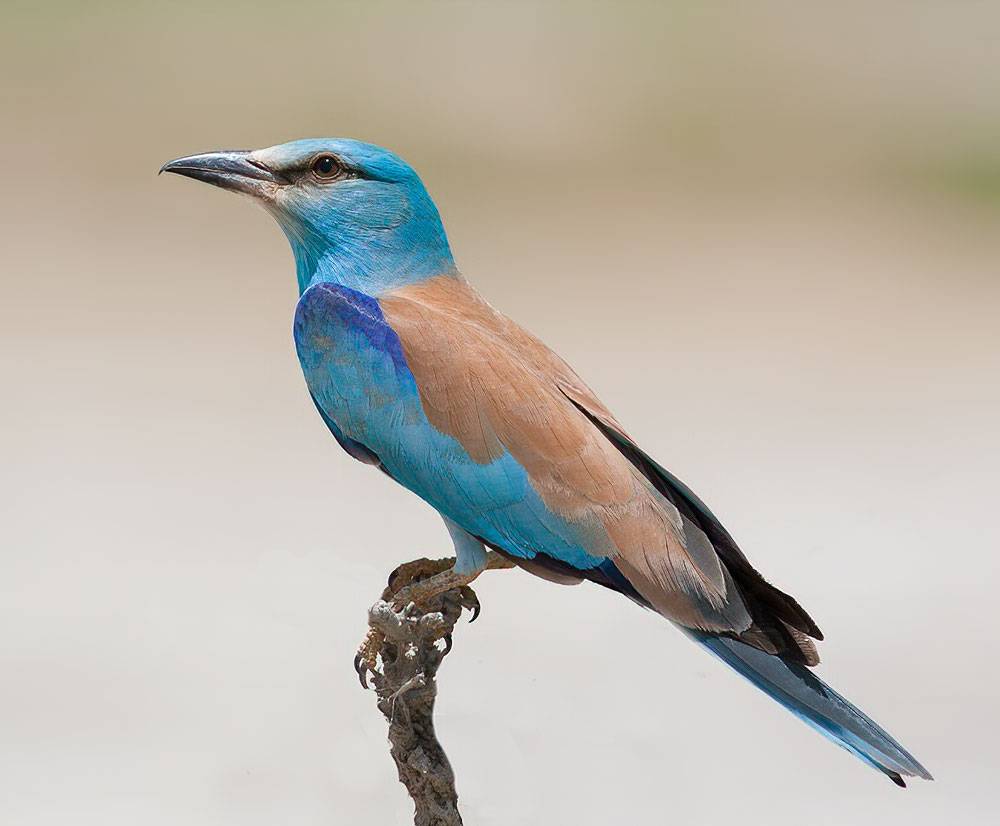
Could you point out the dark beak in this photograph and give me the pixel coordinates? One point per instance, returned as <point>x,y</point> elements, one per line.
<point>234,169</point>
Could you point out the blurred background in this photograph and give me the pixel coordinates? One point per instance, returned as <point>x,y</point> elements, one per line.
<point>767,234</point>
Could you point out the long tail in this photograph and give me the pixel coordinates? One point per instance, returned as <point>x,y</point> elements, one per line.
<point>818,705</point>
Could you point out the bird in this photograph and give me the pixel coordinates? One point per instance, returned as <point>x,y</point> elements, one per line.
<point>416,374</point>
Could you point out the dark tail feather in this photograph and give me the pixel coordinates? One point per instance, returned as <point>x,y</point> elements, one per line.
<point>818,705</point>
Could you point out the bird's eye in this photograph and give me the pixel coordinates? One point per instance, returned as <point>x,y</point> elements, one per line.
<point>326,167</point>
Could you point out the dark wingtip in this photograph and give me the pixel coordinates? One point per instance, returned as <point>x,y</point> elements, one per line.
<point>897,779</point>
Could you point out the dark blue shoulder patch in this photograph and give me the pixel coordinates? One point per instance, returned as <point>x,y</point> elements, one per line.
<point>333,305</point>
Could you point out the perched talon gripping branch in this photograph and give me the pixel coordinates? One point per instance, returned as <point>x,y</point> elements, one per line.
<point>406,641</point>
<point>413,587</point>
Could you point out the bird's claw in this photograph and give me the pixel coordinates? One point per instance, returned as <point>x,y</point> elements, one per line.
<point>469,601</point>
<point>367,657</point>
<point>361,667</point>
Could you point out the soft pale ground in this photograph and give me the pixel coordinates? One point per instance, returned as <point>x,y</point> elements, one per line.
<point>769,241</point>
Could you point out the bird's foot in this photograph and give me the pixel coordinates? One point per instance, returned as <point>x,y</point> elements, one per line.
<point>403,577</point>
<point>367,657</point>
<point>423,600</point>
<point>421,581</point>
<point>421,592</point>
<point>415,571</point>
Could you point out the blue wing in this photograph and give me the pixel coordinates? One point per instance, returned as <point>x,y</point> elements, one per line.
<point>363,385</point>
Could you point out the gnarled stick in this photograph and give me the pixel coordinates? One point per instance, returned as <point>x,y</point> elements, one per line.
<point>410,630</point>
<point>403,656</point>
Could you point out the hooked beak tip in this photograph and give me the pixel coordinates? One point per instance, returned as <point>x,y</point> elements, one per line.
<point>234,170</point>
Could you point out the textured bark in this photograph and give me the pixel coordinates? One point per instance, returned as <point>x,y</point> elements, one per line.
<point>415,641</point>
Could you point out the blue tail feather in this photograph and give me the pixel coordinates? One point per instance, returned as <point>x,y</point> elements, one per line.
<point>815,703</point>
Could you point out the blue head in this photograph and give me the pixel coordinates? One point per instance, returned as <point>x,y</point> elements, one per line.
<point>354,213</point>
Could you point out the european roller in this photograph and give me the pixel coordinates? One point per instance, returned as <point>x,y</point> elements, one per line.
<point>414,373</point>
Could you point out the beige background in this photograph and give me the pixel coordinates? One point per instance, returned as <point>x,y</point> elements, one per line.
<point>766,233</point>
